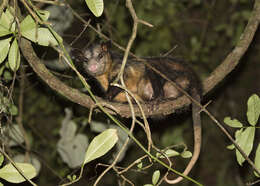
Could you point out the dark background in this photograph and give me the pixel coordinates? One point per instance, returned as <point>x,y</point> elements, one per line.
<point>203,32</point>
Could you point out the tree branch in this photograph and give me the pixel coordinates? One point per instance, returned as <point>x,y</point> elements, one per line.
<point>153,108</point>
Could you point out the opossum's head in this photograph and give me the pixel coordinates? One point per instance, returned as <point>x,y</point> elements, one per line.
<point>95,60</point>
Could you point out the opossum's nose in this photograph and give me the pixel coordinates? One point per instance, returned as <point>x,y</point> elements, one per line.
<point>93,67</point>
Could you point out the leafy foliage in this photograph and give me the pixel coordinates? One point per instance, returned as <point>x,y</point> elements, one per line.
<point>245,135</point>
<point>28,29</point>
<point>6,106</point>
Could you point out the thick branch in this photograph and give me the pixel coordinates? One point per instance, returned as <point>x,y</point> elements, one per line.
<point>72,94</point>
<point>166,107</point>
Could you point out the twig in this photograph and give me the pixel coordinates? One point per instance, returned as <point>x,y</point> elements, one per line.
<point>133,164</point>
<point>129,5</point>
<point>20,116</point>
<point>33,14</point>
<point>80,34</point>
<point>123,177</point>
<point>124,145</point>
<point>146,124</point>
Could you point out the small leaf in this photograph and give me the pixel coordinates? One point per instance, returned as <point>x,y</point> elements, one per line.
<point>169,153</point>
<point>71,178</point>
<point>14,57</point>
<point>101,144</point>
<point>140,165</point>
<point>7,75</point>
<point>253,109</point>
<point>148,185</point>
<point>44,14</point>
<point>245,140</point>
<point>13,110</point>
<point>231,147</point>
<point>156,176</point>
<point>1,184</point>
<point>4,48</point>
<point>95,6</point>
<point>186,154</point>
<point>10,174</point>
<point>7,23</point>
<point>257,159</point>
<point>232,122</point>
<point>1,159</point>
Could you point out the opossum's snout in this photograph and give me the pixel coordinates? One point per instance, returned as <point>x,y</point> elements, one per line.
<point>94,67</point>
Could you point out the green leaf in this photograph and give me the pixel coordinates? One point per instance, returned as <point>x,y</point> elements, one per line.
<point>101,144</point>
<point>13,110</point>
<point>27,24</point>
<point>71,178</point>
<point>7,75</point>
<point>253,109</point>
<point>169,153</point>
<point>45,37</point>
<point>156,176</point>
<point>148,185</point>
<point>1,159</point>
<point>42,36</point>
<point>1,184</point>
<point>43,14</point>
<point>4,31</point>
<point>257,159</point>
<point>232,122</point>
<point>10,174</point>
<point>7,23</point>
<point>231,147</point>
<point>245,140</point>
<point>140,165</point>
<point>95,6</point>
<point>4,48</point>
<point>14,57</point>
<point>186,154</point>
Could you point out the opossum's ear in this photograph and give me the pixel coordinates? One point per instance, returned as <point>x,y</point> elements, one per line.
<point>106,46</point>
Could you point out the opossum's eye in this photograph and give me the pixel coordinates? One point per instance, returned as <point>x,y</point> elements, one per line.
<point>85,59</point>
<point>101,55</point>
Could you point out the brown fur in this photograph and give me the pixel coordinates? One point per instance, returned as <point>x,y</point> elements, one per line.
<point>145,84</point>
